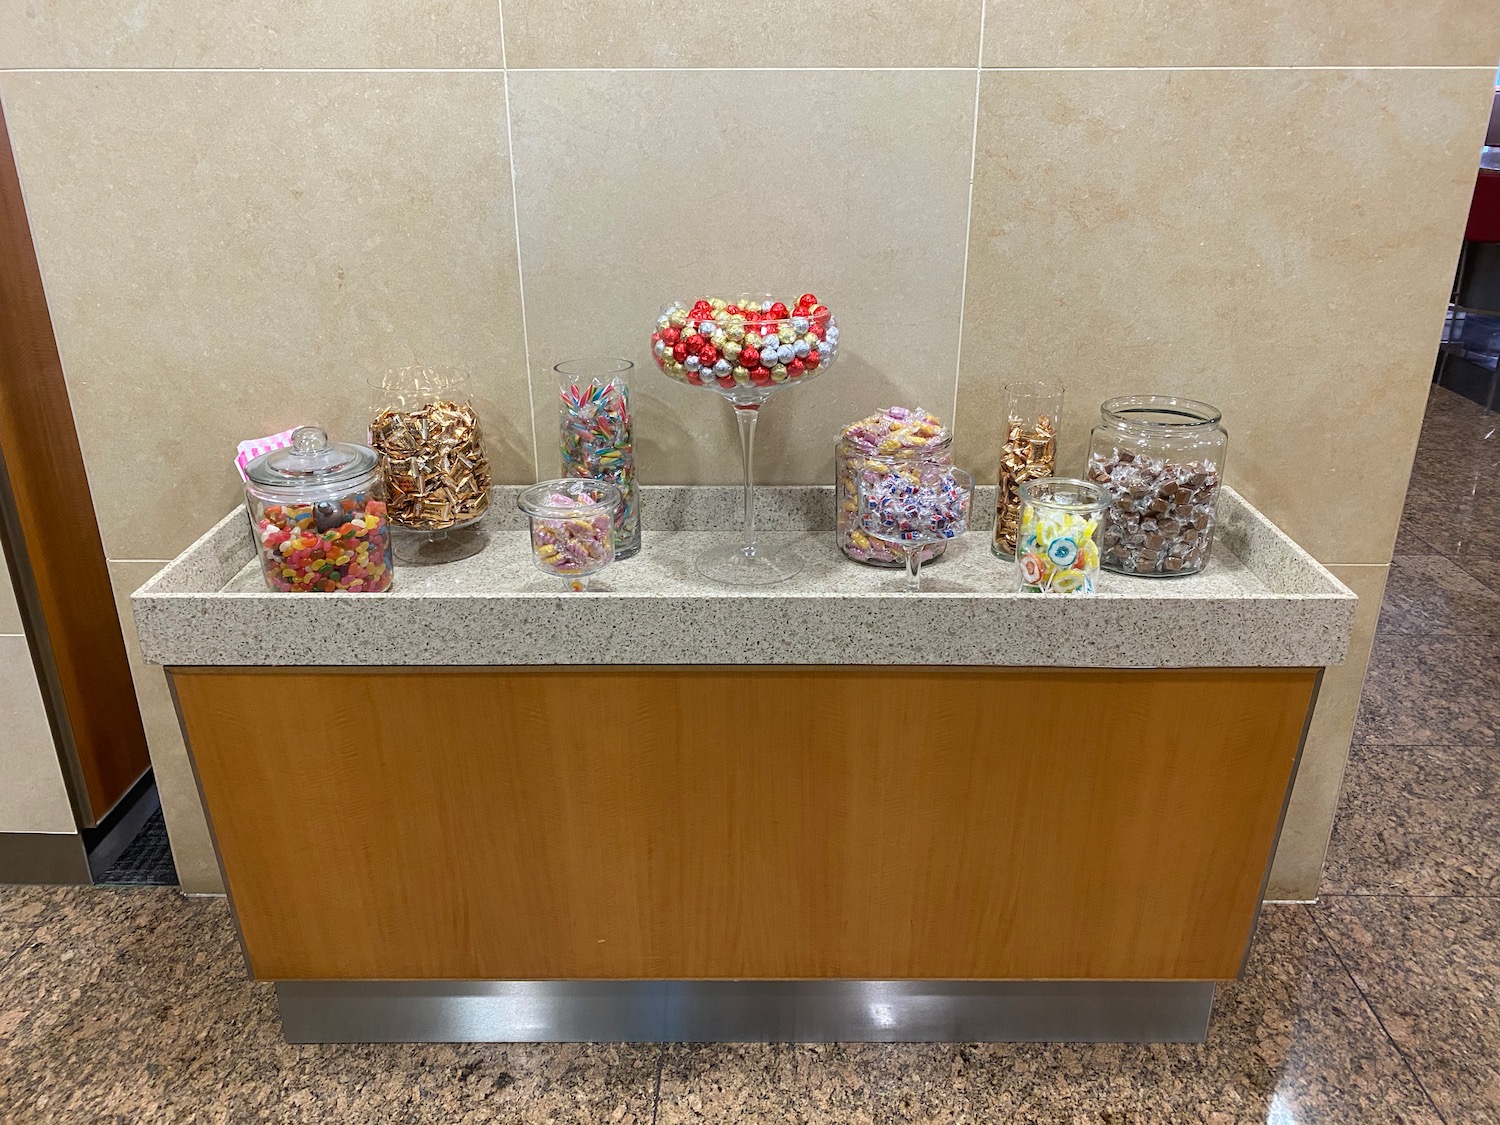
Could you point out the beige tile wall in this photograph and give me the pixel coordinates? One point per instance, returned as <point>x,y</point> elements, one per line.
<point>1259,203</point>
<point>33,795</point>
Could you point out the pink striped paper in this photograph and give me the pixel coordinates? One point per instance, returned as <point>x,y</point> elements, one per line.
<point>250,450</point>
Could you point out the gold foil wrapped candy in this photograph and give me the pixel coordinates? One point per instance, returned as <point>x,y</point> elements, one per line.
<point>433,455</point>
<point>1029,453</point>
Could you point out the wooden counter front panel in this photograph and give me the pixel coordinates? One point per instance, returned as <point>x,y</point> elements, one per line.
<point>649,822</point>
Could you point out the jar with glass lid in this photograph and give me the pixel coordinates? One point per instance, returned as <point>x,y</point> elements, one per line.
<point>318,512</point>
<point>1161,460</point>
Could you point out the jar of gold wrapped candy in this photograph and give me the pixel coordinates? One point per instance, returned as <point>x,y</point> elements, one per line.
<point>1032,410</point>
<point>896,431</point>
<point>431,449</point>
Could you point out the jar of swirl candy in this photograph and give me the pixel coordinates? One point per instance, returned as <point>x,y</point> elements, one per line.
<point>896,431</point>
<point>596,436</point>
<point>318,513</point>
<point>572,528</point>
<point>1057,545</point>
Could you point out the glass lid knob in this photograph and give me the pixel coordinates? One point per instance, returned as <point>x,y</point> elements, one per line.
<point>308,441</point>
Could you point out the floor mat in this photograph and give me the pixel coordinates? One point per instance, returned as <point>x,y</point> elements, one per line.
<point>147,860</point>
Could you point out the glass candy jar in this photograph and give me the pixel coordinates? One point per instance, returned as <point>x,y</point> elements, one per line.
<point>1161,459</point>
<point>572,527</point>
<point>1057,548</point>
<point>318,512</point>
<point>596,439</point>
<point>911,503</point>
<point>1032,410</point>
<point>896,431</point>
<point>427,433</point>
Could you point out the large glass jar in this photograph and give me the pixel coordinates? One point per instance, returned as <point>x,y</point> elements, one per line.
<point>427,433</point>
<point>896,431</point>
<point>1161,459</point>
<point>596,436</point>
<point>318,512</point>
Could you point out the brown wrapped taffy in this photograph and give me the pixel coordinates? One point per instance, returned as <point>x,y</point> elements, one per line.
<point>1029,453</point>
<point>432,450</point>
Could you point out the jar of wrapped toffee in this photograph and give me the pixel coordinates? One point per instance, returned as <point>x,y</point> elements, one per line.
<point>1161,460</point>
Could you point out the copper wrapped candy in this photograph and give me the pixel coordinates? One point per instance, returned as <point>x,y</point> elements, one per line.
<point>432,450</point>
<point>1029,453</point>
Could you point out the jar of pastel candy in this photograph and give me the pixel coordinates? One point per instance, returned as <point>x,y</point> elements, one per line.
<point>572,527</point>
<point>1161,459</point>
<point>1057,546</point>
<point>896,431</point>
<point>318,512</point>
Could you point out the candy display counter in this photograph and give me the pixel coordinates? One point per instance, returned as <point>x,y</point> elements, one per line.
<point>670,809</point>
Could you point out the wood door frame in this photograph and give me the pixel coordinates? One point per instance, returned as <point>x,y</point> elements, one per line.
<point>51,535</point>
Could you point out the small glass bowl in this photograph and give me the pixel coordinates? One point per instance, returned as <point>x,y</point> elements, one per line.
<point>572,527</point>
<point>1057,545</point>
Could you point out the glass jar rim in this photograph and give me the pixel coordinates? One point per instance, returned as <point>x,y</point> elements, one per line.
<point>943,439</point>
<point>536,500</point>
<point>1037,387</point>
<point>594,367</point>
<point>1176,413</point>
<point>1029,490</point>
<point>761,298</point>
<point>420,378</point>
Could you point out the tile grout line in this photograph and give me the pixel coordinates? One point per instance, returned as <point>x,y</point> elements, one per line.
<point>515,218</point>
<point>963,286</point>
<point>1352,68</point>
<point>1338,954</point>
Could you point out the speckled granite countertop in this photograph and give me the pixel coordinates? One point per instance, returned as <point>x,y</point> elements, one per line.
<point>1262,601</point>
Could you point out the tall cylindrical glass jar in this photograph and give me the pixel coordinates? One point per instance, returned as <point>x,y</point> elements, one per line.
<point>1032,412</point>
<point>1161,459</point>
<point>597,438</point>
<point>896,431</point>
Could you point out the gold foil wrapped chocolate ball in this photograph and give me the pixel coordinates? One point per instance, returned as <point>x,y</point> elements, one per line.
<point>431,449</point>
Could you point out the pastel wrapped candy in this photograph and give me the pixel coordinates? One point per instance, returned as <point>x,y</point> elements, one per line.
<point>896,431</point>
<point>912,503</point>
<point>572,527</point>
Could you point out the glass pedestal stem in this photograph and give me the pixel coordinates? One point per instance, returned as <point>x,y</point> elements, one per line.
<point>914,553</point>
<point>747,416</point>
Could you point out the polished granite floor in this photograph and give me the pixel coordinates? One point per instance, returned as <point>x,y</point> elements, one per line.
<point>1379,1004</point>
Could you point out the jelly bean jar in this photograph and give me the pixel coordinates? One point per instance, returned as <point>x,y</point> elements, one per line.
<point>1057,546</point>
<point>1161,459</point>
<point>318,512</point>
<point>572,527</point>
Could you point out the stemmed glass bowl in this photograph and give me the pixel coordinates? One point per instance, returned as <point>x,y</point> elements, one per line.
<point>745,350</point>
